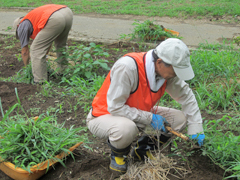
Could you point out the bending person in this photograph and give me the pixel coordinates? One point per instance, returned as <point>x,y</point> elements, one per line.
<point>45,25</point>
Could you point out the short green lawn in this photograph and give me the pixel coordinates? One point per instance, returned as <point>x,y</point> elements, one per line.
<point>171,8</point>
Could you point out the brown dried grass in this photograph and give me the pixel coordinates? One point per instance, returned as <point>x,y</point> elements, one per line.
<point>160,168</point>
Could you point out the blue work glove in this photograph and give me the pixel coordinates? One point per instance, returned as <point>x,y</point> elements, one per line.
<point>158,122</point>
<point>199,137</point>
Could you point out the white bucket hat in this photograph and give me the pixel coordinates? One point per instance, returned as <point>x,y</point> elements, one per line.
<point>173,51</point>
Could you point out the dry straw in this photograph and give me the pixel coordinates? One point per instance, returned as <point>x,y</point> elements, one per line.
<point>160,168</point>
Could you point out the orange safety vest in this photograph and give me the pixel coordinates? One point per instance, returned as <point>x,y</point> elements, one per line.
<point>142,98</point>
<point>39,17</point>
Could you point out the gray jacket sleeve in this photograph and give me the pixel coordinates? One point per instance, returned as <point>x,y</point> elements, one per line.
<point>124,80</point>
<point>179,90</point>
<point>24,31</point>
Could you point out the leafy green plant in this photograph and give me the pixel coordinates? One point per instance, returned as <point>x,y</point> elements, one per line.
<point>34,110</point>
<point>8,28</point>
<point>149,31</point>
<point>47,89</point>
<point>87,61</point>
<point>24,75</point>
<point>29,141</point>
<point>237,40</point>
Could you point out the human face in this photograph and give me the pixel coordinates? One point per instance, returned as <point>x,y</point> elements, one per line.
<point>164,71</point>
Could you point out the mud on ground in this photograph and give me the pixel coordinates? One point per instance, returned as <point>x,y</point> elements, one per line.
<point>88,164</point>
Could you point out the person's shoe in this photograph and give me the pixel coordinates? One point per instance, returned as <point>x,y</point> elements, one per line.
<point>142,149</point>
<point>140,154</point>
<point>145,144</point>
<point>118,163</point>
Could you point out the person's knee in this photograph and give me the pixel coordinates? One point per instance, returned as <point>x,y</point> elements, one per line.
<point>125,135</point>
<point>129,130</point>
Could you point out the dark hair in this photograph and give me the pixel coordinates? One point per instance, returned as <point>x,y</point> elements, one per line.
<point>155,57</point>
<point>166,64</point>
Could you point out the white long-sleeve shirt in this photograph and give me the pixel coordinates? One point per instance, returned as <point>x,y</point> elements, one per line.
<point>124,80</point>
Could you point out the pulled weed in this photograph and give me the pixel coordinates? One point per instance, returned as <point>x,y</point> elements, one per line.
<point>29,141</point>
<point>148,31</point>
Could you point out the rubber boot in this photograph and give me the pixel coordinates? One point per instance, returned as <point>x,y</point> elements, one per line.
<point>144,144</point>
<point>118,163</point>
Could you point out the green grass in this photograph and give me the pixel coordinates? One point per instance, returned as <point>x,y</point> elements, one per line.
<point>217,78</point>
<point>171,8</point>
<point>222,143</point>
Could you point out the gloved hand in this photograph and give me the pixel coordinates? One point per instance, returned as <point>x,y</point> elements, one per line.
<point>158,122</point>
<point>199,137</point>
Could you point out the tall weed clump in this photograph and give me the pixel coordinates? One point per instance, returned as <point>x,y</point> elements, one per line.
<point>222,143</point>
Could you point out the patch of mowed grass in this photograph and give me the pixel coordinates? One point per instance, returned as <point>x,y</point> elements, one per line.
<point>171,8</point>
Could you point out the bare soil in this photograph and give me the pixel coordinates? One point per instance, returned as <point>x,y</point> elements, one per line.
<point>88,165</point>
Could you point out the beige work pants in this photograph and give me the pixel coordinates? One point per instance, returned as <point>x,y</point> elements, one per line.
<point>56,30</point>
<point>121,131</point>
